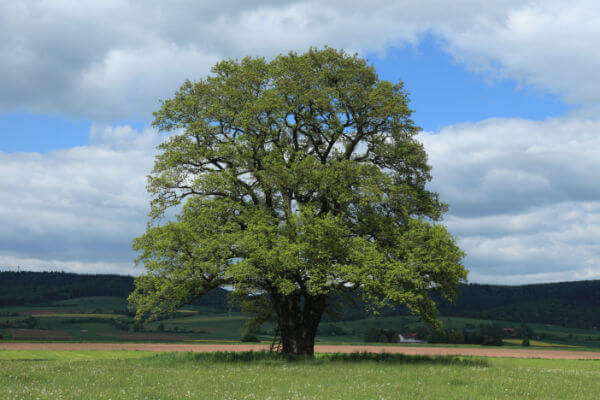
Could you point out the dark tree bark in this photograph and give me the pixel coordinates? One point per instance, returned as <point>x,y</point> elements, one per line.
<point>298,316</point>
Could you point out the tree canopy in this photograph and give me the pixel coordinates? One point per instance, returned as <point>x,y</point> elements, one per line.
<point>294,179</point>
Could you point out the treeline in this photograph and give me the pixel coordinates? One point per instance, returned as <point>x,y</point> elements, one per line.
<point>571,304</point>
<point>22,288</point>
<point>19,288</point>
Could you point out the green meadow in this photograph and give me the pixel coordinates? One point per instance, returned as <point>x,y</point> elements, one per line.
<point>139,375</point>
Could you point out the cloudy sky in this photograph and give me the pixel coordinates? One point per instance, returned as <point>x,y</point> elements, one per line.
<point>507,92</point>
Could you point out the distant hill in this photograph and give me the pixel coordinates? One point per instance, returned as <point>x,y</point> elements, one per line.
<point>20,288</point>
<point>572,304</point>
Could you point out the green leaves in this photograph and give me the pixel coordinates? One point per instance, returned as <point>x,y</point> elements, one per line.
<point>298,176</point>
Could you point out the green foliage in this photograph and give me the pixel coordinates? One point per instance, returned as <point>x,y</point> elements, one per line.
<point>484,334</point>
<point>456,336</point>
<point>373,335</point>
<point>17,288</point>
<point>297,178</point>
<point>524,331</point>
<point>29,323</point>
<point>250,337</point>
<point>569,304</point>
<point>525,342</point>
<point>333,330</point>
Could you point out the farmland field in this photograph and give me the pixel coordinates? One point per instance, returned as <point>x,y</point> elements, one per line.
<point>139,375</point>
<point>123,363</point>
<point>106,319</point>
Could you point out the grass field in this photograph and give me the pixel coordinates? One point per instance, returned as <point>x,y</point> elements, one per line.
<point>137,375</point>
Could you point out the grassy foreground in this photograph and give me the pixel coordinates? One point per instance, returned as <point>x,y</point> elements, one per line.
<point>137,375</point>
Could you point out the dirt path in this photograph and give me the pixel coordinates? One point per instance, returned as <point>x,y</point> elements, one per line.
<point>430,351</point>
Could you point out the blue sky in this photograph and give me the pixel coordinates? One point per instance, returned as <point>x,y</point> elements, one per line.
<point>443,92</point>
<point>507,93</point>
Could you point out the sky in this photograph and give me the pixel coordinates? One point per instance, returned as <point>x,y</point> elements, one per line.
<point>507,94</point>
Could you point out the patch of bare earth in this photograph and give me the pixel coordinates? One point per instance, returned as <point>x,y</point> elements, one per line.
<point>430,351</point>
<point>38,334</point>
<point>142,336</point>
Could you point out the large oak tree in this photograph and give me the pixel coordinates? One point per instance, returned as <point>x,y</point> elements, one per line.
<point>295,179</point>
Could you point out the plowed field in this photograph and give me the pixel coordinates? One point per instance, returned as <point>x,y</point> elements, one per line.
<point>432,351</point>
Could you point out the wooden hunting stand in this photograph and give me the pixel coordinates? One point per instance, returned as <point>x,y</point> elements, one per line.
<point>276,343</point>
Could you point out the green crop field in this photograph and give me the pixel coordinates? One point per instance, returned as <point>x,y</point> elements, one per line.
<point>137,375</point>
<point>103,318</point>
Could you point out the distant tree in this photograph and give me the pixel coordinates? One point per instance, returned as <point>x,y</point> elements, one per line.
<point>524,331</point>
<point>392,336</point>
<point>492,341</point>
<point>250,337</point>
<point>422,331</point>
<point>437,336</point>
<point>30,322</point>
<point>455,336</point>
<point>298,178</point>
<point>371,335</point>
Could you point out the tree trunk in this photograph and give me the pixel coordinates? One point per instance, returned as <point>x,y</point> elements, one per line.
<point>298,316</point>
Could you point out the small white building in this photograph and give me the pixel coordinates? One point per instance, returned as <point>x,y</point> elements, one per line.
<point>410,340</point>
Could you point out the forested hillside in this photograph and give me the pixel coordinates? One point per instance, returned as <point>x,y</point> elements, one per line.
<point>17,288</point>
<point>573,304</point>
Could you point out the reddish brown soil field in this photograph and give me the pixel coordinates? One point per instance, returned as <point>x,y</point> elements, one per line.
<point>50,311</point>
<point>38,334</point>
<point>431,351</point>
<point>142,336</point>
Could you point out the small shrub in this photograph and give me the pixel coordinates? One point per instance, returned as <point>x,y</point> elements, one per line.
<point>525,342</point>
<point>30,322</point>
<point>456,337</point>
<point>332,330</point>
<point>371,335</point>
<point>492,341</point>
<point>137,327</point>
<point>381,335</point>
<point>250,337</point>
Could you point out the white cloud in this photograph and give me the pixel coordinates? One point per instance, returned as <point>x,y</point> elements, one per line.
<point>78,208</point>
<point>111,60</point>
<point>11,263</point>
<point>523,203</point>
<point>550,44</point>
<point>522,197</point>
